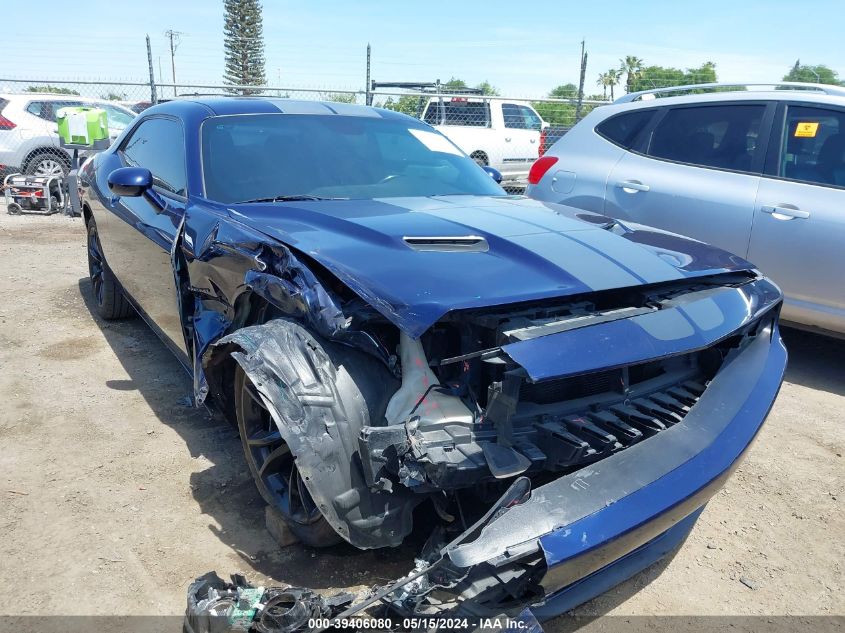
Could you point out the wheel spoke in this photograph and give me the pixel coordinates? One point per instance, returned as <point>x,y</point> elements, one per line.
<point>264,438</point>
<point>308,505</point>
<point>252,392</point>
<point>277,453</point>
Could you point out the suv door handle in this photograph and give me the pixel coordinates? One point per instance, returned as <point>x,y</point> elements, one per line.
<point>632,186</point>
<point>507,139</point>
<point>785,212</point>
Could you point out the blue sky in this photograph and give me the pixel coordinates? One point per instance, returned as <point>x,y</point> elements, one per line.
<point>523,48</point>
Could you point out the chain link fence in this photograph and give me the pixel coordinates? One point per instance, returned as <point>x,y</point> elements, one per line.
<point>505,132</point>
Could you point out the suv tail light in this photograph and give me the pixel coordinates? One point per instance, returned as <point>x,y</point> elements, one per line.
<point>5,124</point>
<point>542,149</point>
<point>539,168</point>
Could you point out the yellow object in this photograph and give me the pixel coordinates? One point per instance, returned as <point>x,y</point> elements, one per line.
<point>806,129</point>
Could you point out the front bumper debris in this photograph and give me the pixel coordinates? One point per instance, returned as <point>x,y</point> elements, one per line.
<point>587,531</point>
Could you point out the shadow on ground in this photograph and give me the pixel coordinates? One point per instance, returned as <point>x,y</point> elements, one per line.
<point>815,361</point>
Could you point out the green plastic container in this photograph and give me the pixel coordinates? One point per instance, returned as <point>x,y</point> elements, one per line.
<point>82,125</point>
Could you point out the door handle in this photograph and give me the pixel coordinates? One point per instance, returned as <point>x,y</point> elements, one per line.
<point>507,139</point>
<point>785,212</point>
<point>533,140</point>
<point>632,186</point>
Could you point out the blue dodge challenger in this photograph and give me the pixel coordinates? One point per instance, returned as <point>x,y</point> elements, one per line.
<point>397,338</point>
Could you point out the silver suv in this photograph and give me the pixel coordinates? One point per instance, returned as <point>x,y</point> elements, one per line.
<point>758,171</point>
<point>29,140</point>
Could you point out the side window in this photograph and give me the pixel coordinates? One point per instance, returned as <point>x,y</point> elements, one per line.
<point>813,146</point>
<point>432,113</point>
<point>159,145</point>
<point>722,136</point>
<point>36,108</point>
<point>512,116</point>
<point>48,112</point>
<point>460,111</point>
<point>623,129</point>
<point>520,117</point>
<point>532,119</point>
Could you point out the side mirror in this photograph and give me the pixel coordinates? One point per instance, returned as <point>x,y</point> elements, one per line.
<point>494,173</point>
<point>130,181</point>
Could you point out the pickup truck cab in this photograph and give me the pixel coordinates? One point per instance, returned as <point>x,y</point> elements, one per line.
<point>503,134</point>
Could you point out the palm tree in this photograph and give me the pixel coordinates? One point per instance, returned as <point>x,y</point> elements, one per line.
<point>613,78</point>
<point>631,66</point>
<point>603,82</point>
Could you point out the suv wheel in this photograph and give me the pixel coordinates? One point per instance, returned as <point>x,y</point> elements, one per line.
<point>47,165</point>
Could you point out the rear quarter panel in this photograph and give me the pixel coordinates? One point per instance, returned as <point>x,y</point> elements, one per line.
<point>585,160</point>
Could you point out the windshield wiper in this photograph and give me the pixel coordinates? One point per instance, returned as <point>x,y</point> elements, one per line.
<point>288,198</point>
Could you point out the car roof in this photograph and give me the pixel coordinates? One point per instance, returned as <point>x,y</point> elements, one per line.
<point>223,105</point>
<point>804,96</point>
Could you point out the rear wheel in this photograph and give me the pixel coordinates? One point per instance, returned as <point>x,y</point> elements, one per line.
<point>274,469</point>
<point>108,296</point>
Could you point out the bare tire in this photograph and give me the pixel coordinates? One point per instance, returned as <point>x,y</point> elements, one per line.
<point>108,295</point>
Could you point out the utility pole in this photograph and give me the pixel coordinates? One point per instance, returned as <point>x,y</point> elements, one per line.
<point>369,97</point>
<point>581,83</point>
<point>153,96</point>
<point>175,38</point>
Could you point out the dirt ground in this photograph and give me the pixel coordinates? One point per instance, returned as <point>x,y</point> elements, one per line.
<point>114,489</point>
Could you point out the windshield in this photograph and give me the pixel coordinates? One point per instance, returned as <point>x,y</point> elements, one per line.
<point>249,157</point>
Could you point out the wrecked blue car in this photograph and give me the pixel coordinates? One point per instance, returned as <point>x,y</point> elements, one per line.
<point>395,336</point>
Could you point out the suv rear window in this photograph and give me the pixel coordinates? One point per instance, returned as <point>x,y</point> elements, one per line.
<point>47,109</point>
<point>813,148</point>
<point>462,112</point>
<point>721,136</point>
<point>623,129</point>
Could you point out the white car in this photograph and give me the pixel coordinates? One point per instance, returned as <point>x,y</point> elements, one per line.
<point>29,139</point>
<point>498,133</point>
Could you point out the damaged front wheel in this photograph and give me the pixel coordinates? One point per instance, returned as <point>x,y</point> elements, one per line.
<point>274,469</point>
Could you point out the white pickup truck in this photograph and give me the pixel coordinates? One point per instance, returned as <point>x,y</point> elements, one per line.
<point>500,133</point>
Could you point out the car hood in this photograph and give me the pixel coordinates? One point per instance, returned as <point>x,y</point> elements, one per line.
<point>509,249</point>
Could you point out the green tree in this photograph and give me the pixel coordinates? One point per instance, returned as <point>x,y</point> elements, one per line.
<point>455,84</point>
<point>555,112</point>
<point>487,88</point>
<point>651,77</point>
<point>704,74</point>
<point>52,89</point>
<point>243,33</point>
<point>407,104</point>
<point>606,80</point>
<point>631,66</point>
<point>815,74</point>
<point>113,96</point>
<point>564,91</point>
<point>339,97</point>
